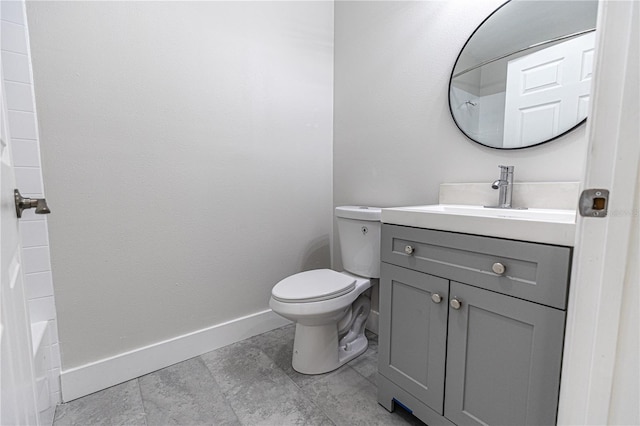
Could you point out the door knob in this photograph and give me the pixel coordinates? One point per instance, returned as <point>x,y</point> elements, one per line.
<point>22,203</point>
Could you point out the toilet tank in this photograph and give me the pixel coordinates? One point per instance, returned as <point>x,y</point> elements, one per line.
<point>359,234</point>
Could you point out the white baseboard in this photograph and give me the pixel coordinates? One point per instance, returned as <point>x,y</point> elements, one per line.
<point>372,322</point>
<point>98,375</point>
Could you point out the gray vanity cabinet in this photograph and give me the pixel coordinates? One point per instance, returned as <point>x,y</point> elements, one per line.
<point>462,344</point>
<point>417,330</point>
<point>503,359</point>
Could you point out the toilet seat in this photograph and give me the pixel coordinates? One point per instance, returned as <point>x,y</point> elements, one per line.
<point>313,286</point>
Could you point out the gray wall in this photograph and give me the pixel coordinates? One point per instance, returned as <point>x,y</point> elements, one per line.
<point>394,138</point>
<point>187,161</point>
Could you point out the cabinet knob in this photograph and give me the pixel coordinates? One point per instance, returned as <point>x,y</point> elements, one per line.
<point>408,249</point>
<point>455,303</point>
<point>498,268</point>
<point>436,298</point>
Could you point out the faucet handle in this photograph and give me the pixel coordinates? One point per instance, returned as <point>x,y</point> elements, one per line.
<point>506,171</point>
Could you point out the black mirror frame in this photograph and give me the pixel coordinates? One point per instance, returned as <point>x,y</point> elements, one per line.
<point>451,109</point>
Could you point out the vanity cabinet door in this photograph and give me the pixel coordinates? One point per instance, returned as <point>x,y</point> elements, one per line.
<point>503,359</point>
<point>413,332</point>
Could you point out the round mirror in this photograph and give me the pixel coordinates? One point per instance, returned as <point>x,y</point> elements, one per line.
<point>524,76</point>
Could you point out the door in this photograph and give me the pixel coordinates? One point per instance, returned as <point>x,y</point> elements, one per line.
<point>17,385</point>
<point>503,359</point>
<point>600,376</point>
<point>548,91</point>
<point>413,332</point>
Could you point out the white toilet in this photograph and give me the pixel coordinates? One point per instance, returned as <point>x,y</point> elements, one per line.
<point>329,307</point>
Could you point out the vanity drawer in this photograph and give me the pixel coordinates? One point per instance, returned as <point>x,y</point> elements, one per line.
<point>535,272</point>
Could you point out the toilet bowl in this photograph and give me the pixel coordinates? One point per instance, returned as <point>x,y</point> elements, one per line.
<point>324,319</point>
<point>331,308</point>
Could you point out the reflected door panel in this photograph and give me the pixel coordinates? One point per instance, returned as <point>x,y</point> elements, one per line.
<point>548,91</point>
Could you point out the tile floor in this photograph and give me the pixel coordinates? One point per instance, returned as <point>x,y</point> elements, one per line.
<point>247,383</point>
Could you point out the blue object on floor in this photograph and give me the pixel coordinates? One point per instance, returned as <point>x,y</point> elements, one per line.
<point>404,407</point>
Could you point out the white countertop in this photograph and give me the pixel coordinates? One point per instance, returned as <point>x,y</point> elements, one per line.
<point>550,226</point>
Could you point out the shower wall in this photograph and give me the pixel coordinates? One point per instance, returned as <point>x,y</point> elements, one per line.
<point>187,152</point>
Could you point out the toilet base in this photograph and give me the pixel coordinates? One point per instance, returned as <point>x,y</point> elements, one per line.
<point>316,351</point>
<point>353,349</point>
<point>316,348</point>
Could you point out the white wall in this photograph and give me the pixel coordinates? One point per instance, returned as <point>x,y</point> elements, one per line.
<point>18,84</point>
<point>394,138</point>
<point>187,155</point>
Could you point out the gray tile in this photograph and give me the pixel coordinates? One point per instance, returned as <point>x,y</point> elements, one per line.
<point>251,383</point>
<point>367,365</point>
<point>259,392</point>
<point>117,405</point>
<point>185,394</point>
<point>264,402</point>
<point>239,363</point>
<point>277,344</point>
<point>350,399</point>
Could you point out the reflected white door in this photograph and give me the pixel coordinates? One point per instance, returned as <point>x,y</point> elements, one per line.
<point>17,384</point>
<point>548,91</point>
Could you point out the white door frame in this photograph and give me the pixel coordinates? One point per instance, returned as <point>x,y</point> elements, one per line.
<point>601,257</point>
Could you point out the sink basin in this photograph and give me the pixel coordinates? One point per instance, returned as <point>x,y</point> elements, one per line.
<point>549,226</point>
<point>548,215</point>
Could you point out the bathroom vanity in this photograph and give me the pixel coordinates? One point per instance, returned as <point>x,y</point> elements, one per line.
<point>471,327</point>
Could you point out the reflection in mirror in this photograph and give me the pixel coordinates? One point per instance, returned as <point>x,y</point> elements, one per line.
<point>523,77</point>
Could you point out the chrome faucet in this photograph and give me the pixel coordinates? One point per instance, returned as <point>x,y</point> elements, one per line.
<point>505,185</point>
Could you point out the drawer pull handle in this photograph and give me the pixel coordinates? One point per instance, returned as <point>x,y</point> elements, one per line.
<point>436,298</point>
<point>499,268</point>
<point>455,303</point>
<point>408,249</point>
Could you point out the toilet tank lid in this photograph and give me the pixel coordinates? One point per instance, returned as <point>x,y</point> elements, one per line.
<point>313,286</point>
<point>359,213</point>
